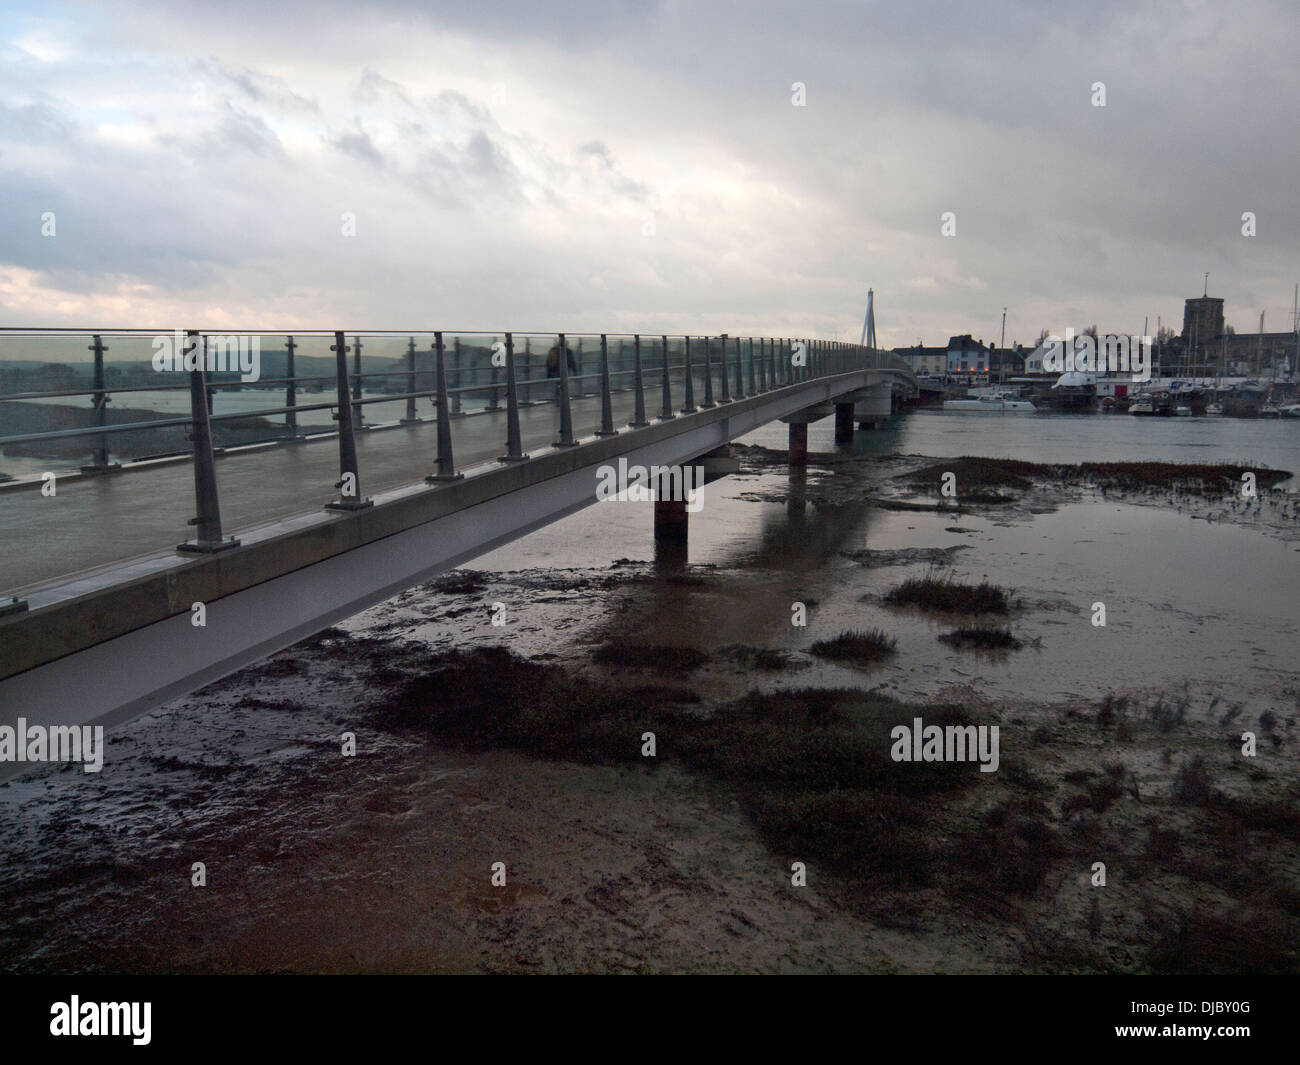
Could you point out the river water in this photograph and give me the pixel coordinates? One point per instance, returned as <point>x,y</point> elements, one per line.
<point>1213,604</point>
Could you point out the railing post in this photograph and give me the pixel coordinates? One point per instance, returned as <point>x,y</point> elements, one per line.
<point>349,482</point>
<point>690,407</point>
<point>100,400</point>
<point>666,410</point>
<point>207,520</point>
<point>722,372</point>
<point>753,382</point>
<point>526,391</point>
<point>460,378</point>
<point>11,604</point>
<point>708,374</point>
<point>638,412</point>
<point>606,400</point>
<point>566,407</point>
<point>358,419</point>
<point>446,465</point>
<point>740,369</point>
<point>411,417</point>
<point>514,439</point>
<point>494,398</point>
<point>290,387</point>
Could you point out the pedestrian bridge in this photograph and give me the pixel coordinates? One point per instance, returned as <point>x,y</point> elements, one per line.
<point>282,507</point>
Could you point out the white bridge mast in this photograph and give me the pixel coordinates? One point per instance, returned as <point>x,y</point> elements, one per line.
<point>869,325</point>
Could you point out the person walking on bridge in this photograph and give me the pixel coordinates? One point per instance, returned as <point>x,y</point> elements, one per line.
<point>553,363</point>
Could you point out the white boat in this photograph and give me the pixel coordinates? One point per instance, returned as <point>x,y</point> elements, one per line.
<point>1182,412</point>
<point>1142,405</point>
<point>1291,410</point>
<point>1270,410</point>
<point>1002,403</point>
<point>1214,410</point>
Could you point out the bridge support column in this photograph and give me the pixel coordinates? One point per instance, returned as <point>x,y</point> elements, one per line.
<point>874,405</point>
<point>671,521</point>
<point>799,444</point>
<point>844,423</point>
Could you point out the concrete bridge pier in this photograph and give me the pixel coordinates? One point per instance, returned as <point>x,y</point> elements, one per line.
<point>798,423</point>
<point>873,405</point>
<point>844,423</point>
<point>671,521</point>
<point>798,444</point>
<point>672,527</point>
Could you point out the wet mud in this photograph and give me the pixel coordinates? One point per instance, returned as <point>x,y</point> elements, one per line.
<point>523,743</point>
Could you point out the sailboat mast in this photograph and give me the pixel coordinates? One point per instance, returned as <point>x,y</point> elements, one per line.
<point>1259,348</point>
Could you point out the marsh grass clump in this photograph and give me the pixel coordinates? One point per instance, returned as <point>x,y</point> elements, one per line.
<point>1011,849</point>
<point>981,472</point>
<point>860,648</point>
<point>1194,478</point>
<point>457,582</point>
<point>1166,716</point>
<point>1232,943</point>
<point>976,474</point>
<point>946,594</point>
<point>1192,783</point>
<point>982,637</point>
<point>812,768</point>
<point>1112,708</point>
<point>814,772</point>
<point>489,698</point>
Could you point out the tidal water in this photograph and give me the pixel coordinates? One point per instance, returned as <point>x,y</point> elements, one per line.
<point>1209,605</point>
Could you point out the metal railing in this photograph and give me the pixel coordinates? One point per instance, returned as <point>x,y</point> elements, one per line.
<point>457,372</point>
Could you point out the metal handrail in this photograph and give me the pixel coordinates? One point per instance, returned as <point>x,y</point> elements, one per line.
<point>769,360</point>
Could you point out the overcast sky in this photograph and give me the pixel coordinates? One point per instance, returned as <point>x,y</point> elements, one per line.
<point>626,165</point>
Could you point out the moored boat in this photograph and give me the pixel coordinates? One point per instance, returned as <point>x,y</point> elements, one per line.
<point>1001,403</point>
